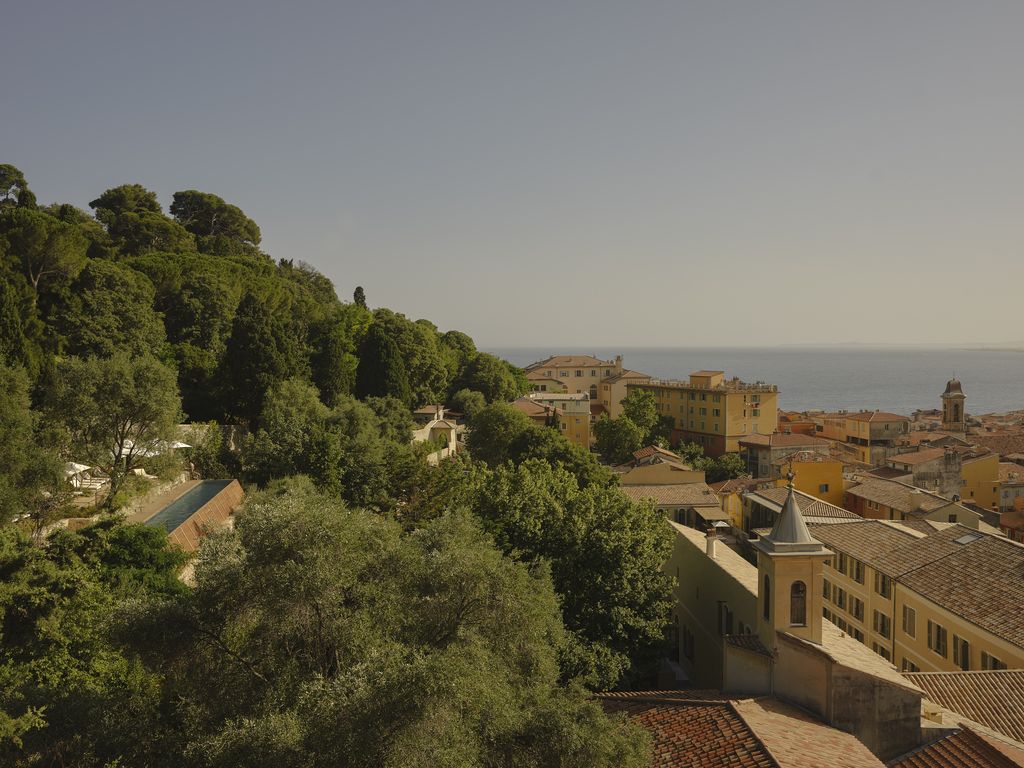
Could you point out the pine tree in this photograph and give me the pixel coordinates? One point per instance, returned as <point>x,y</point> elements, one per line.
<point>255,359</point>
<point>381,370</point>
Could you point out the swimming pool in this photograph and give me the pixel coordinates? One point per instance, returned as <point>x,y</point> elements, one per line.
<point>182,508</point>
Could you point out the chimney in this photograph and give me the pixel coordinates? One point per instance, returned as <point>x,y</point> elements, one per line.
<point>618,364</point>
<point>712,543</point>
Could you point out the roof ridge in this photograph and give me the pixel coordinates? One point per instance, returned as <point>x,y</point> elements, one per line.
<point>753,732</point>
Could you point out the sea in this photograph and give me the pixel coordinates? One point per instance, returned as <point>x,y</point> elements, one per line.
<point>896,379</point>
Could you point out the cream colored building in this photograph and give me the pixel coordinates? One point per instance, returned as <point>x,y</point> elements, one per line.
<point>573,417</point>
<point>713,411</point>
<point>577,373</point>
<point>928,600</point>
<point>759,629</point>
<point>612,390</point>
<point>870,435</point>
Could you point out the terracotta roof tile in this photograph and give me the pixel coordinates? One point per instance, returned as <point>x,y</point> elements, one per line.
<point>675,494</point>
<point>813,508</point>
<point>569,361</point>
<point>993,698</point>
<point>866,540</point>
<point>917,457</point>
<point>745,733</point>
<point>978,580</point>
<point>963,749</point>
<point>783,440</point>
<point>875,416</point>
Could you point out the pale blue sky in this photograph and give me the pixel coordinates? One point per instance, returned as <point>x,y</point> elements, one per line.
<point>575,173</point>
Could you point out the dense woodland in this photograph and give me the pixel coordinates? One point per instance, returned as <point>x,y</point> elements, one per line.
<point>367,609</point>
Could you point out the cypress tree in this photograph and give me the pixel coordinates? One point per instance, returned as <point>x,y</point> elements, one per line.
<point>254,360</point>
<point>381,370</point>
<point>14,347</point>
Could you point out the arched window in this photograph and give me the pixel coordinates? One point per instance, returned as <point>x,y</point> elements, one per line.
<point>767,598</point>
<point>798,604</point>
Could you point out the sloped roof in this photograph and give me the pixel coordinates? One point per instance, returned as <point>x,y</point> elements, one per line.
<point>570,361</point>
<point>813,508</point>
<point>917,457</point>
<point>894,494</point>
<point>866,540</point>
<point>783,440</point>
<point>993,698</point>
<point>873,416</point>
<point>745,733</point>
<point>674,494</point>
<point>654,450</point>
<point>980,580</point>
<point>964,749</point>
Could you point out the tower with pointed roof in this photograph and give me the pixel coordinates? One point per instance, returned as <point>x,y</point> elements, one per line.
<point>954,418</point>
<point>789,577</point>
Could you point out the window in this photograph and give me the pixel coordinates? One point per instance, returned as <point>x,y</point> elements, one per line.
<point>857,608</point>
<point>937,638</point>
<point>579,374</point>
<point>991,662</point>
<point>826,589</point>
<point>881,650</point>
<point>593,372</point>
<point>841,598</point>
<point>909,666</point>
<point>857,570</point>
<point>798,604</point>
<point>724,619</point>
<point>716,398</point>
<point>687,643</point>
<point>564,374</point>
<point>841,623</point>
<point>909,621</point>
<point>841,565</point>
<point>703,397</point>
<point>703,411</point>
<point>716,411</point>
<point>961,653</point>
<point>767,598</point>
<point>823,488</point>
<point>882,625</point>
<point>857,634</point>
<point>693,396</point>
<point>756,412</point>
<point>883,584</point>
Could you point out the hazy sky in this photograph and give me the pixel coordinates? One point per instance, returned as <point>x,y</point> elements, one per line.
<point>576,173</point>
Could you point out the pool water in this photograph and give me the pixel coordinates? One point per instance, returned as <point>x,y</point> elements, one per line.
<point>182,508</point>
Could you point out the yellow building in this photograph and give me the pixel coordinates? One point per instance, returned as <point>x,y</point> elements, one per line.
<point>572,413</point>
<point>577,373</point>
<point>942,601</point>
<point>540,382</point>
<point>871,435</point>
<point>713,411</point>
<point>760,629</point>
<point>980,476</point>
<point>815,475</point>
<point>612,390</point>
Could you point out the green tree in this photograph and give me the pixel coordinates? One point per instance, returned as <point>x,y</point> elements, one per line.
<point>467,402</point>
<point>43,249</point>
<point>492,377</point>
<point>495,428</point>
<point>110,308</point>
<point>14,346</point>
<point>428,369</point>
<point>14,189</point>
<point>117,411</point>
<point>30,470</point>
<point>617,439</point>
<point>418,665</point>
<point>260,353</point>
<point>206,215</point>
<point>66,690</point>
<point>136,223</point>
<point>359,297</point>
<point>333,361</point>
<point>606,554</point>
<point>726,467</point>
<point>381,370</point>
<point>640,407</point>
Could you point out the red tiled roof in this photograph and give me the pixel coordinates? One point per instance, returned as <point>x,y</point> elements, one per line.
<point>570,361</point>
<point>740,733</point>
<point>875,416</point>
<point>783,440</point>
<point>992,698</point>
<point>917,457</point>
<point>964,749</point>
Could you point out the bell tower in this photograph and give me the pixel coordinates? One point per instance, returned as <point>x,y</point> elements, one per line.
<point>954,419</point>
<point>789,574</point>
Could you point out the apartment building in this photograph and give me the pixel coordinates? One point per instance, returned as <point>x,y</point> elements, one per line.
<point>760,451</point>
<point>571,411</point>
<point>612,390</point>
<point>877,498</point>
<point>713,411</point>
<point>942,601</point>
<point>577,373</point>
<point>870,435</point>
